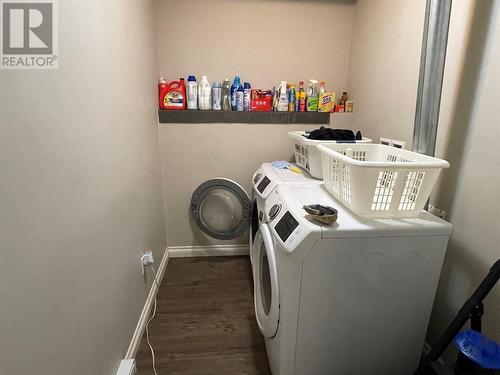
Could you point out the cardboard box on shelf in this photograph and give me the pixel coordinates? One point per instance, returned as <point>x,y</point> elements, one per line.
<point>326,102</point>
<point>339,108</point>
<point>261,100</point>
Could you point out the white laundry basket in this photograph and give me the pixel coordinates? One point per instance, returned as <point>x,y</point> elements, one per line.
<point>307,154</point>
<point>377,180</point>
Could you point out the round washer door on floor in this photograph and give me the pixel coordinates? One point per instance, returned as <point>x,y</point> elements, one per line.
<point>265,275</point>
<point>221,208</point>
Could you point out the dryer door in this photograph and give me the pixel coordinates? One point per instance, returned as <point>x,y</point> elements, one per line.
<point>221,208</point>
<point>265,276</point>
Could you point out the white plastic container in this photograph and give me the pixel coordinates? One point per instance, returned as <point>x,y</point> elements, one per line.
<point>377,180</point>
<point>204,94</point>
<point>192,93</point>
<point>307,154</point>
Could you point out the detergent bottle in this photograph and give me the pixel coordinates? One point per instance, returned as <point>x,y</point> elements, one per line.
<point>312,96</point>
<point>240,98</point>
<point>162,91</point>
<point>234,92</point>
<point>192,93</point>
<point>204,94</point>
<point>172,94</point>
<point>226,95</point>
<point>216,96</point>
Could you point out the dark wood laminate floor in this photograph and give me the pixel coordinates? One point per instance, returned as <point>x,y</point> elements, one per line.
<point>205,323</point>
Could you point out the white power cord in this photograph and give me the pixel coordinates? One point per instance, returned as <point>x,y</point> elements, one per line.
<point>150,319</point>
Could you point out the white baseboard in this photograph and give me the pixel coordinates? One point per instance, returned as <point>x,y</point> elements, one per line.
<point>204,251</point>
<point>127,367</point>
<point>141,324</point>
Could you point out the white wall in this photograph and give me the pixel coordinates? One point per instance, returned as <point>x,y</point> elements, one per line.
<point>468,137</point>
<point>384,66</point>
<point>264,41</point>
<point>80,193</point>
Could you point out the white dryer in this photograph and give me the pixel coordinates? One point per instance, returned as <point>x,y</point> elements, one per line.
<point>351,298</point>
<point>265,179</point>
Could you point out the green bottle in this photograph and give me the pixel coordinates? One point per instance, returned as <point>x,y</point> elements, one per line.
<point>312,96</point>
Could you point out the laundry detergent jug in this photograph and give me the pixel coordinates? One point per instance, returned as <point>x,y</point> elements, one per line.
<point>172,94</point>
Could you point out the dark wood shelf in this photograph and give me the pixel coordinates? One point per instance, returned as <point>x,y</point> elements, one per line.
<point>205,117</point>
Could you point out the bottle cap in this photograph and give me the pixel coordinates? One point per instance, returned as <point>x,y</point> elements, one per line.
<point>237,79</point>
<point>247,85</point>
<point>191,79</point>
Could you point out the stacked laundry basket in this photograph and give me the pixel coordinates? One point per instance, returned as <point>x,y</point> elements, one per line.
<point>371,180</point>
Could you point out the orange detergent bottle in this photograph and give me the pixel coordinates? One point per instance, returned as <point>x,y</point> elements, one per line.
<point>172,95</point>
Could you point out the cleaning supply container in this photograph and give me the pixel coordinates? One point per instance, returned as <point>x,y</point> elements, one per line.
<point>312,96</point>
<point>379,181</point>
<point>307,154</point>
<point>216,96</point>
<point>204,95</point>
<point>192,93</point>
<point>226,95</point>
<point>172,95</point>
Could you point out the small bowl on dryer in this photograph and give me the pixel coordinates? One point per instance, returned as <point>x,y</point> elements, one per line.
<point>324,214</point>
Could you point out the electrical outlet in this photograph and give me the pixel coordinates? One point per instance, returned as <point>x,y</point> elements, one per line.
<point>392,143</point>
<point>146,259</point>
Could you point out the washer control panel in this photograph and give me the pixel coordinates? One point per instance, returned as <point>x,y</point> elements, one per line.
<point>263,185</point>
<point>288,228</point>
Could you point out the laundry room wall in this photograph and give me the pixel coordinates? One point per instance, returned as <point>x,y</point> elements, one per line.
<point>80,193</point>
<point>468,137</point>
<point>384,66</point>
<point>263,41</point>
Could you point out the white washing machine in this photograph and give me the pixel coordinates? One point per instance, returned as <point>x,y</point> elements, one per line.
<point>265,179</point>
<point>351,298</point>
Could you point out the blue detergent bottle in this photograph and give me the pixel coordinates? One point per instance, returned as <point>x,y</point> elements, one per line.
<point>234,92</point>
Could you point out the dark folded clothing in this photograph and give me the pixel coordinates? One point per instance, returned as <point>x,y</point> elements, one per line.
<point>329,134</point>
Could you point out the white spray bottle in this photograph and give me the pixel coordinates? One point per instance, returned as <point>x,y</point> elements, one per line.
<point>283,98</point>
